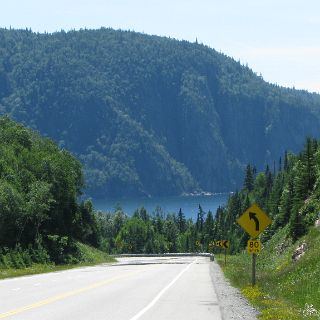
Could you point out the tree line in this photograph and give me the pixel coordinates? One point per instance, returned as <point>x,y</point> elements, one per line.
<point>288,193</point>
<point>42,218</point>
<point>149,115</point>
<point>158,232</point>
<point>40,184</point>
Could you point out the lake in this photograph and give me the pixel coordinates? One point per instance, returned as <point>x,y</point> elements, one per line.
<point>188,204</point>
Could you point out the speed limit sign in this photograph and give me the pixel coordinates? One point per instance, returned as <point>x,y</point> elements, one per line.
<point>254,246</point>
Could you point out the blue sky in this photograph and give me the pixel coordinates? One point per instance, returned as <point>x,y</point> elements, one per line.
<point>278,38</point>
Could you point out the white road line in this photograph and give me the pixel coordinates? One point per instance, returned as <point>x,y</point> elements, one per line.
<point>158,296</point>
<point>16,289</point>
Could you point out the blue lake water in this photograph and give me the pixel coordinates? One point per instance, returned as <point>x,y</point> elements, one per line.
<point>188,204</point>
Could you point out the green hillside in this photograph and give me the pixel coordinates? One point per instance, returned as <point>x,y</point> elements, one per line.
<point>41,219</point>
<point>149,115</point>
<point>287,287</point>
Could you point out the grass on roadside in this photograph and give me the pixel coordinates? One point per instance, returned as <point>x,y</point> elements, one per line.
<point>89,256</point>
<point>285,289</point>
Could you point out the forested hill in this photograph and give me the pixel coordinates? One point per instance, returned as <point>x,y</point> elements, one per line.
<point>150,115</point>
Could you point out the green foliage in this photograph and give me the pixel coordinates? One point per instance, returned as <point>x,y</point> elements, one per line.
<point>289,197</point>
<point>19,258</point>
<point>285,289</point>
<point>40,217</point>
<point>134,235</point>
<point>158,232</point>
<point>249,178</point>
<point>148,115</point>
<point>19,262</point>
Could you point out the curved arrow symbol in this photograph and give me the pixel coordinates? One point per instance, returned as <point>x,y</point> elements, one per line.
<point>226,244</point>
<point>252,216</point>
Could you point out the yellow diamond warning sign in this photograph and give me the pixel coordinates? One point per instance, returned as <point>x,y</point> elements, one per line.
<point>254,221</point>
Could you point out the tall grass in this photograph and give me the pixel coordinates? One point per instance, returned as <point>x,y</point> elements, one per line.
<point>285,289</point>
<point>20,262</point>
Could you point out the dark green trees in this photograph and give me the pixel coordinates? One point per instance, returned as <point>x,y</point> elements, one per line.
<point>249,178</point>
<point>290,197</point>
<point>39,189</point>
<point>181,221</point>
<point>149,115</point>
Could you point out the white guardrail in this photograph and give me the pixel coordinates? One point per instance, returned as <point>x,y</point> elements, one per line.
<point>193,254</point>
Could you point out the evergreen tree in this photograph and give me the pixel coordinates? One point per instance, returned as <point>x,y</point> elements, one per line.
<point>286,164</point>
<point>208,229</point>
<point>296,226</point>
<point>181,221</point>
<point>309,163</point>
<point>280,164</point>
<point>286,203</point>
<point>200,219</point>
<point>249,178</point>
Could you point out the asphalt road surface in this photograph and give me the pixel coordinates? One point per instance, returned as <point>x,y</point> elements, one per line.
<point>134,288</point>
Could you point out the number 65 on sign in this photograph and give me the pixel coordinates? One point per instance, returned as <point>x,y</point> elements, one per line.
<point>254,246</point>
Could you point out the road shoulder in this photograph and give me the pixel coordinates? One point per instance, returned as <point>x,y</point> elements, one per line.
<point>233,305</point>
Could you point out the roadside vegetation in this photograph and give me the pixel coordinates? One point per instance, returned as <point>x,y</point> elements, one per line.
<point>44,227</point>
<point>18,262</point>
<point>288,268</point>
<point>285,289</point>
<point>42,223</point>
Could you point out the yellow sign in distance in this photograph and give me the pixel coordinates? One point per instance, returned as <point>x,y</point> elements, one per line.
<point>254,246</point>
<point>223,244</point>
<point>211,244</point>
<point>198,243</point>
<point>254,221</point>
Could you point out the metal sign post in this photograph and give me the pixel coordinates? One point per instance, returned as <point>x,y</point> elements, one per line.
<point>254,247</point>
<point>254,261</point>
<point>254,221</point>
<point>225,244</point>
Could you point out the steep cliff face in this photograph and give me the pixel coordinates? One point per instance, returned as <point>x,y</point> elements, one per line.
<point>150,115</point>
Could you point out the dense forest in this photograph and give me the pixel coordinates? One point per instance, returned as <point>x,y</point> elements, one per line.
<point>42,219</point>
<point>40,216</point>
<point>289,195</point>
<point>148,115</point>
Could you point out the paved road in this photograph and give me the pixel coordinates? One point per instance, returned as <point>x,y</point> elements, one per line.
<point>132,289</point>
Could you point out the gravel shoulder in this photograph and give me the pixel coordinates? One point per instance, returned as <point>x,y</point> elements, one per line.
<point>232,303</point>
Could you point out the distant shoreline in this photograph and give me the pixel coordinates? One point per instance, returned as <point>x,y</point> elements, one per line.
<point>204,193</point>
<point>171,204</point>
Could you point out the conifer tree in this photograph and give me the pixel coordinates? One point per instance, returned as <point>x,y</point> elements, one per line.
<point>286,203</point>
<point>200,219</point>
<point>285,164</point>
<point>249,178</point>
<point>208,225</point>
<point>181,221</point>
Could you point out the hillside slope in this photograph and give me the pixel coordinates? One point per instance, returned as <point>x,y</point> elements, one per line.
<point>286,289</point>
<point>41,219</point>
<point>149,115</point>
<point>288,266</point>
